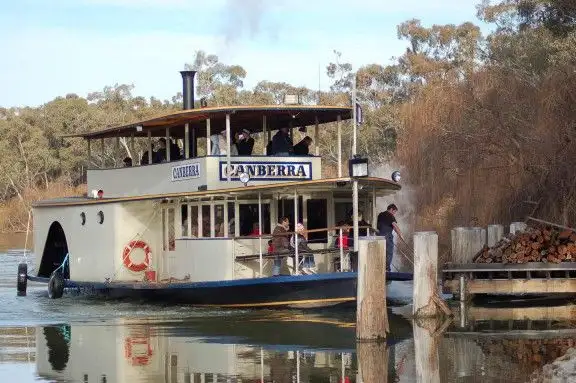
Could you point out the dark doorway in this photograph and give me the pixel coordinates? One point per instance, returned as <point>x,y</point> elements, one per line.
<point>55,251</point>
<point>317,210</point>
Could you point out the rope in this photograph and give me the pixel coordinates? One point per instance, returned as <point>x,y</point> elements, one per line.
<point>25,255</point>
<point>63,263</point>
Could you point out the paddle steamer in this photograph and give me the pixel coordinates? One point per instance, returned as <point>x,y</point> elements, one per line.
<point>195,228</point>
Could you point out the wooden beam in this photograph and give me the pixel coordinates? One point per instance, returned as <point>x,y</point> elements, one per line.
<point>491,267</point>
<point>513,286</point>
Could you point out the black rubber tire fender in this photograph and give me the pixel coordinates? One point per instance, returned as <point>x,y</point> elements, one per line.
<point>22,279</point>
<point>56,285</point>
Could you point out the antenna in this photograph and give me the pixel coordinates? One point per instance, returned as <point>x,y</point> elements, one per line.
<point>319,103</point>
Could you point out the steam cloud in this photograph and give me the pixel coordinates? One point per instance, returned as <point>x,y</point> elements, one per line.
<point>406,215</point>
<point>246,15</point>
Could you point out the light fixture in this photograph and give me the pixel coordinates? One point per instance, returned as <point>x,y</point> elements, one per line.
<point>138,128</point>
<point>244,178</point>
<point>358,167</point>
<point>396,176</point>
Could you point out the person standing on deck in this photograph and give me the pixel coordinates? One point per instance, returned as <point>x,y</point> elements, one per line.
<point>386,226</point>
<point>282,143</point>
<point>280,242</point>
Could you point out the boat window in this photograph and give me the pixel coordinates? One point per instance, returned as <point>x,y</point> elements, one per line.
<point>249,219</point>
<point>231,220</point>
<point>171,229</point>
<point>219,225</point>
<point>163,229</point>
<point>189,220</point>
<point>205,222</point>
<point>317,215</point>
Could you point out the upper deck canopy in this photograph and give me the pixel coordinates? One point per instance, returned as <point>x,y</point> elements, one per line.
<point>242,117</point>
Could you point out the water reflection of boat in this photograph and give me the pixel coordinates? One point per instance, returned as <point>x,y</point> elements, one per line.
<point>260,346</point>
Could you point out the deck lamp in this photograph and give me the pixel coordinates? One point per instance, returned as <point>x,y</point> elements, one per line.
<point>358,167</point>
<point>244,178</point>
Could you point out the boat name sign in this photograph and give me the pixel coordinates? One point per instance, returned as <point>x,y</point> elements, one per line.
<point>267,171</point>
<point>186,171</point>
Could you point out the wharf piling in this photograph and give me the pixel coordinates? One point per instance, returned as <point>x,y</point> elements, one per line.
<point>426,301</point>
<point>371,315</point>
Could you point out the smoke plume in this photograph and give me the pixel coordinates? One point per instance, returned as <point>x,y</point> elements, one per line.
<point>247,16</point>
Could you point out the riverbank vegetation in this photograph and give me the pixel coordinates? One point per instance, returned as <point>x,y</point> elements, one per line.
<point>482,126</point>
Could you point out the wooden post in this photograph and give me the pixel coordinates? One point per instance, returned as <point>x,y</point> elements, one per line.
<point>466,243</point>
<point>339,143</point>
<point>425,291</point>
<point>517,227</point>
<point>495,233</point>
<point>372,362</point>
<point>371,314</point>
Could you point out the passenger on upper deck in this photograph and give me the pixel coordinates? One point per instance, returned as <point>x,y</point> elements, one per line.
<point>161,153</point>
<point>144,160</point>
<point>282,143</point>
<point>245,143</point>
<point>303,147</point>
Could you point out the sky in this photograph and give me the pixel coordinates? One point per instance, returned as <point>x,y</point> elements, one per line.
<point>54,47</point>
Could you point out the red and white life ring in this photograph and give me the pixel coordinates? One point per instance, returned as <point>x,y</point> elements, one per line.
<point>137,357</point>
<point>136,267</point>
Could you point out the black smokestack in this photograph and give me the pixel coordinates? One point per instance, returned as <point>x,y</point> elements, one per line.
<point>188,88</point>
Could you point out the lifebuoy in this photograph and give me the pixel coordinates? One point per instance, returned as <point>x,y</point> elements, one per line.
<point>137,358</point>
<point>136,267</point>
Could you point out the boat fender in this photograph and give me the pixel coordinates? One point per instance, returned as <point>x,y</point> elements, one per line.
<point>22,279</point>
<point>56,285</point>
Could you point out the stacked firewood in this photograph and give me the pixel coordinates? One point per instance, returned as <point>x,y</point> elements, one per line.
<point>529,353</point>
<point>533,245</point>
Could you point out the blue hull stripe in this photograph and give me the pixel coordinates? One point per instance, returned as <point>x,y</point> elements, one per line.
<point>286,279</point>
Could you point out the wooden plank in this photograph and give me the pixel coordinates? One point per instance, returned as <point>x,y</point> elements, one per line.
<point>487,267</point>
<point>513,286</point>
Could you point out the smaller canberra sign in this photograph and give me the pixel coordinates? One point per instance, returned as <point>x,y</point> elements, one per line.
<point>267,171</point>
<point>186,171</point>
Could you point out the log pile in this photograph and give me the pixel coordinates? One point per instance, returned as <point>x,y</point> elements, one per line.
<point>529,354</point>
<point>544,244</point>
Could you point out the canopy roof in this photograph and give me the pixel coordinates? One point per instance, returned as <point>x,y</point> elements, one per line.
<point>241,117</point>
<point>340,187</point>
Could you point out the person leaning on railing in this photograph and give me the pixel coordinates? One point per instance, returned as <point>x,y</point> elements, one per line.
<point>280,242</point>
<point>308,264</point>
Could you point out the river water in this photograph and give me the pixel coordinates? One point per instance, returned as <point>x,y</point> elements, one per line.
<point>79,339</point>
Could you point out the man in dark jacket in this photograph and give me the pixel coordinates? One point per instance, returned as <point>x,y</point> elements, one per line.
<point>245,143</point>
<point>281,143</point>
<point>386,226</point>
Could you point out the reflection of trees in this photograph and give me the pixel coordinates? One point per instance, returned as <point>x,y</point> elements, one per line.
<point>58,343</point>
